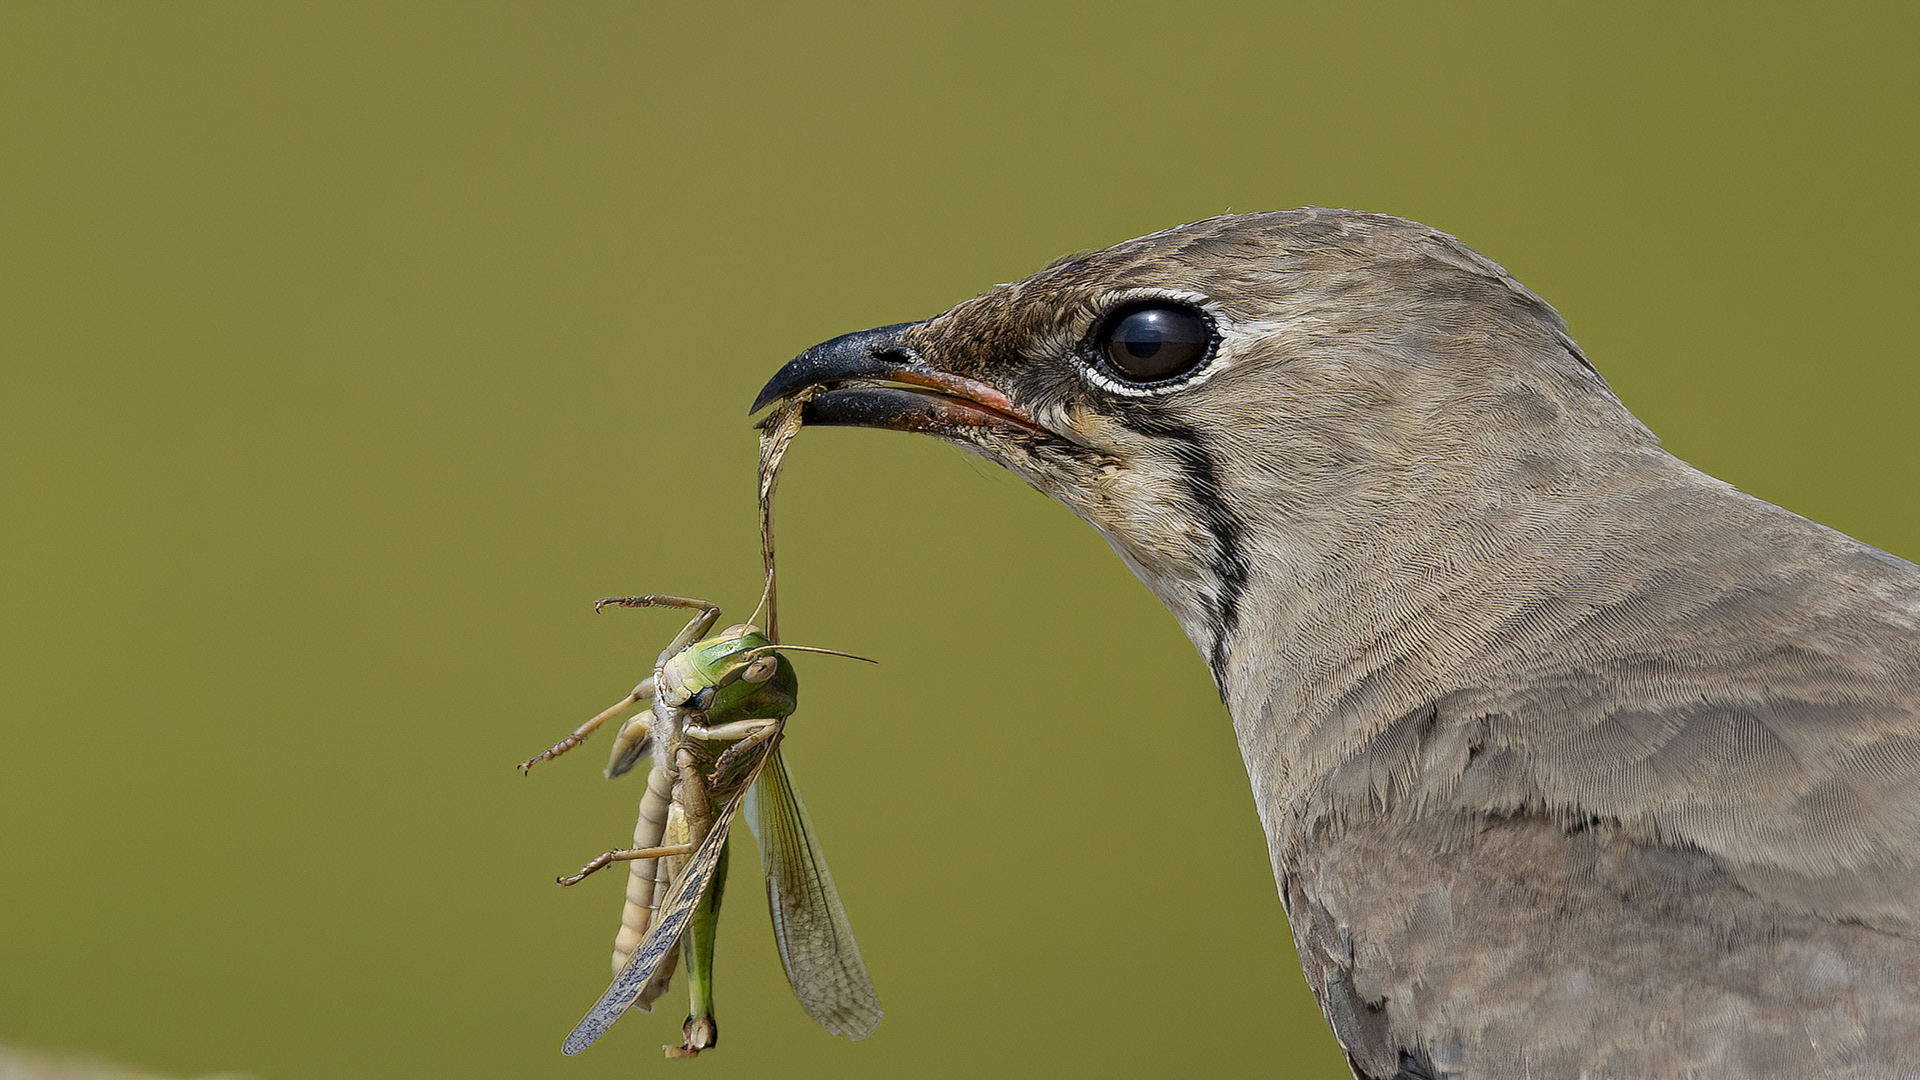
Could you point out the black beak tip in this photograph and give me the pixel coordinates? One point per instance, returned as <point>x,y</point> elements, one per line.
<point>862,354</point>
<point>770,393</point>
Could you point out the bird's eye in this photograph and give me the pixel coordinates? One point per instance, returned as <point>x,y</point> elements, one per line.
<point>1154,342</point>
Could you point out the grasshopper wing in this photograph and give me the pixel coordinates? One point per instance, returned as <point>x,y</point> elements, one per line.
<point>816,941</point>
<point>675,912</point>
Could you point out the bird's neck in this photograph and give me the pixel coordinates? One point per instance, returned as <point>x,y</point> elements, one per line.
<point>1359,616</point>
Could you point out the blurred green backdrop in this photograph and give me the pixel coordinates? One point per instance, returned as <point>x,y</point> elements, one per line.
<point>351,349</point>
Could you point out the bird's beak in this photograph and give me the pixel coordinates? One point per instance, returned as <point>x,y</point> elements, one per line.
<point>874,378</point>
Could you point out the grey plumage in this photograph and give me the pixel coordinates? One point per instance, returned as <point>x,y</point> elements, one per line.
<point>1573,761</point>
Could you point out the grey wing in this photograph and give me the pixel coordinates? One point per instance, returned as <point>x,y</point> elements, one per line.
<point>662,936</point>
<point>1804,797</point>
<point>1754,693</point>
<point>816,941</point>
<point>1809,801</point>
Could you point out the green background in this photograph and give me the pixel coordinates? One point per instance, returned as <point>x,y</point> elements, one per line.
<point>349,350</point>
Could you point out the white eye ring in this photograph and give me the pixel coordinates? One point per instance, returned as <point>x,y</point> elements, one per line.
<point>1098,369</point>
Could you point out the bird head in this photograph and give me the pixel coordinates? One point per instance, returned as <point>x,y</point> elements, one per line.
<point>1247,403</point>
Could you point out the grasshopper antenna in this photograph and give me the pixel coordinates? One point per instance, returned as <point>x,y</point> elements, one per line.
<point>764,649</point>
<point>744,668</point>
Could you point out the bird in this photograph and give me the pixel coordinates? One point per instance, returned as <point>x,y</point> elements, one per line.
<point>1572,760</point>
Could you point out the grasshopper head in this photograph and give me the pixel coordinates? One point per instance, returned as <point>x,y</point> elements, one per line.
<point>741,675</point>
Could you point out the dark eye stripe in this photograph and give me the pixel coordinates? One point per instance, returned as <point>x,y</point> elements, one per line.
<point>1153,342</point>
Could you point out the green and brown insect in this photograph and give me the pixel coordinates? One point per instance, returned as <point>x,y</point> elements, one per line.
<point>717,708</point>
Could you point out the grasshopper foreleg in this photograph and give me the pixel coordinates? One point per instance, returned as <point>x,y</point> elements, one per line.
<point>729,732</point>
<point>634,741</point>
<point>643,692</point>
<point>696,628</point>
<point>754,740</point>
<point>601,862</point>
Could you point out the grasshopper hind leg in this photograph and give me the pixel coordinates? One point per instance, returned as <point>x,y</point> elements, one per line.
<point>702,1030</point>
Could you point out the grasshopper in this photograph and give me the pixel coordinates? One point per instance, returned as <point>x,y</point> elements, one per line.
<point>717,711</point>
<point>719,706</point>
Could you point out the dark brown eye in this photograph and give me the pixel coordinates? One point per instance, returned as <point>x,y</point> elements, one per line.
<point>1154,342</point>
